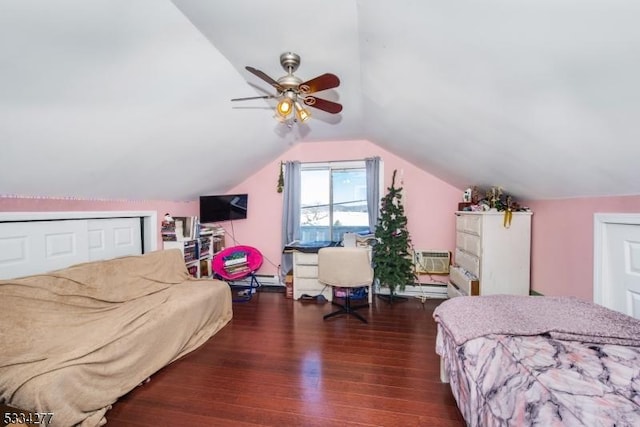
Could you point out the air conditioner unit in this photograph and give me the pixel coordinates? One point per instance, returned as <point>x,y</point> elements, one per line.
<point>432,262</point>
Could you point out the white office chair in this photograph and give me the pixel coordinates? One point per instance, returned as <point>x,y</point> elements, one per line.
<point>345,268</point>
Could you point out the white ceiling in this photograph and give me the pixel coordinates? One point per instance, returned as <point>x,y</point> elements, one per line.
<point>130,99</point>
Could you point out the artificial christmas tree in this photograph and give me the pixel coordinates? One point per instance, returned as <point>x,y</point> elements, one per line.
<point>392,263</point>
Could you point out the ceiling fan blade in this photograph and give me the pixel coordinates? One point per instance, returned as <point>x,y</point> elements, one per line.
<point>323,104</point>
<point>264,77</point>
<point>323,82</point>
<point>254,97</point>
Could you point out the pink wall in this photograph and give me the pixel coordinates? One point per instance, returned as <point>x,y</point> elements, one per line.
<point>31,204</point>
<point>562,242</point>
<point>429,202</point>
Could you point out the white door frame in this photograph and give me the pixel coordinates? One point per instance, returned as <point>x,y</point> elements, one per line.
<point>600,251</point>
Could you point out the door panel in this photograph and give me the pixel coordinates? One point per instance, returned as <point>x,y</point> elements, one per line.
<point>40,246</point>
<point>114,237</point>
<point>623,265</point>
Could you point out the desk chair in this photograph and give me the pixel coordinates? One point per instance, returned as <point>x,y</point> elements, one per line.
<point>345,268</point>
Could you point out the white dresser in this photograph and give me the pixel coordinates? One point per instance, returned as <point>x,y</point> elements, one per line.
<point>491,258</point>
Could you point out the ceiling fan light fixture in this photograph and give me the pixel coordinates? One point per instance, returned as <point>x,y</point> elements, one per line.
<point>303,113</point>
<point>284,107</point>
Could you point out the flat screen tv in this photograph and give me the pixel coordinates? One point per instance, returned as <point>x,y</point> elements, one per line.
<point>224,207</point>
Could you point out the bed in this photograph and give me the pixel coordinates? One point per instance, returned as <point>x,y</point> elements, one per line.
<point>75,340</point>
<point>543,361</point>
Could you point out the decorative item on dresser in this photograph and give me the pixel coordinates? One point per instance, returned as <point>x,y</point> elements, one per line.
<point>491,257</point>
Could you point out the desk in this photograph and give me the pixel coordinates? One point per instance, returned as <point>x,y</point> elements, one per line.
<point>305,270</point>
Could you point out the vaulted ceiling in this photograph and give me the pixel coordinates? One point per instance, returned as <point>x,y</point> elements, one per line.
<point>130,99</point>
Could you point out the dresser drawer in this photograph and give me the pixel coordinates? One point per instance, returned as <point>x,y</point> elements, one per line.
<point>468,262</point>
<point>467,285</point>
<point>305,271</point>
<point>301,258</point>
<point>468,242</point>
<point>453,291</point>
<point>469,224</point>
<point>308,285</point>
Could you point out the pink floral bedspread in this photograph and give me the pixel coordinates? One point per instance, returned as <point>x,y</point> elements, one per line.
<point>504,380</point>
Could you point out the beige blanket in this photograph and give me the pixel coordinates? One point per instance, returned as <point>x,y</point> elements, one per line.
<point>75,340</point>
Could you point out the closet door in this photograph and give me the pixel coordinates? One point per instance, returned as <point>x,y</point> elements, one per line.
<point>114,237</point>
<point>33,247</point>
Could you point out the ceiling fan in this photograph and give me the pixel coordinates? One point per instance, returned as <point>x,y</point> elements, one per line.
<point>291,90</point>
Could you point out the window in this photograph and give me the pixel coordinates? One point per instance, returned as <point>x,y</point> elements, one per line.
<point>333,200</point>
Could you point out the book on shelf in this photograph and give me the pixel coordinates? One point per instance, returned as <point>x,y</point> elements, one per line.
<point>206,230</point>
<point>168,231</point>
<point>168,227</point>
<point>190,251</point>
<point>204,268</point>
<point>194,227</point>
<point>193,270</point>
<point>205,246</point>
<point>211,230</point>
<point>217,244</point>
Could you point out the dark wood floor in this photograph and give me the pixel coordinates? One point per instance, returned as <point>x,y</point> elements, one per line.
<point>278,363</point>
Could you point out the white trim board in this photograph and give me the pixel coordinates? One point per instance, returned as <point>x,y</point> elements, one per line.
<point>150,220</point>
<point>600,251</point>
<point>426,290</point>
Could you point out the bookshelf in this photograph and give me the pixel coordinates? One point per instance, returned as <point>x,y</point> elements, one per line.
<point>180,228</point>
<point>189,250</point>
<point>197,243</point>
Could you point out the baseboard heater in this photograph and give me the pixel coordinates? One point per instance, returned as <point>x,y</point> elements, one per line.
<point>429,290</point>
